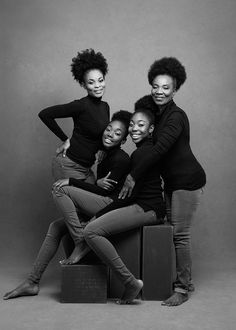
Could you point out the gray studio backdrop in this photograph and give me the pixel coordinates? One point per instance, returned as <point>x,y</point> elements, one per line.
<point>39,39</point>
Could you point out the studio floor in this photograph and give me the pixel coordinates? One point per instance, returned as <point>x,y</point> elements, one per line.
<point>212,306</point>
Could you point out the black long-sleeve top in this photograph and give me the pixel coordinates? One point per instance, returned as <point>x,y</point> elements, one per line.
<point>147,192</point>
<point>90,116</point>
<point>117,162</point>
<point>172,152</point>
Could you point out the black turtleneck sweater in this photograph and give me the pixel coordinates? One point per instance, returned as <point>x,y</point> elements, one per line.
<point>117,162</point>
<point>147,192</point>
<point>90,116</point>
<point>171,151</point>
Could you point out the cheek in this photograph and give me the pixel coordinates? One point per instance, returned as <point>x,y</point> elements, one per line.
<point>168,93</point>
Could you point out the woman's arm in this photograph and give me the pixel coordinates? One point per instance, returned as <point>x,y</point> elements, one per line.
<point>117,172</point>
<point>168,136</point>
<point>49,115</point>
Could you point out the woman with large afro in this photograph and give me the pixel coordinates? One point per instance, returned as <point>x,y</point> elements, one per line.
<point>90,115</point>
<point>182,174</point>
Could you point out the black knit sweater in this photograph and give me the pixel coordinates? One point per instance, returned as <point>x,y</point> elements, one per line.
<point>171,151</point>
<point>147,192</point>
<point>117,162</point>
<point>90,116</point>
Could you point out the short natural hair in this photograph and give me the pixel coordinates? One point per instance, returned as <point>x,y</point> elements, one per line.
<point>86,60</point>
<point>169,66</point>
<point>148,113</point>
<point>123,116</point>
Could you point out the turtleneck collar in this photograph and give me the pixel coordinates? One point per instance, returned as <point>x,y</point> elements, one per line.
<point>165,107</point>
<point>111,150</point>
<point>145,142</point>
<point>94,99</point>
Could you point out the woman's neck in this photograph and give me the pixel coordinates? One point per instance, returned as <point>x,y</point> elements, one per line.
<point>94,99</point>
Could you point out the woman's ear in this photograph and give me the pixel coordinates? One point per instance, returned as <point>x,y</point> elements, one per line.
<point>83,85</point>
<point>151,129</point>
<point>123,141</point>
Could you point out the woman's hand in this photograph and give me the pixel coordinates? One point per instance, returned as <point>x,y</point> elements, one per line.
<point>106,183</point>
<point>128,187</point>
<point>63,148</point>
<point>60,183</point>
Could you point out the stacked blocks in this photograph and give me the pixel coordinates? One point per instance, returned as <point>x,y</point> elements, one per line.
<point>157,262</point>
<point>84,284</point>
<point>148,253</point>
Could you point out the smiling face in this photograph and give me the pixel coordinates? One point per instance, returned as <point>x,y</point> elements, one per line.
<point>94,83</point>
<point>114,134</point>
<point>140,127</point>
<point>163,89</point>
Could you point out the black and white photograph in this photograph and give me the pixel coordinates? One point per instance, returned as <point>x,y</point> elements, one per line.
<point>118,167</point>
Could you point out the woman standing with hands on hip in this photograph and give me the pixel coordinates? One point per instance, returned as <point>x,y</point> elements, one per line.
<point>182,174</point>
<point>90,116</point>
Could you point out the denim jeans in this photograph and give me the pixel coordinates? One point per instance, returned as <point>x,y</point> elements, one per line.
<point>111,223</point>
<point>56,231</point>
<point>74,203</point>
<point>64,168</point>
<point>181,206</point>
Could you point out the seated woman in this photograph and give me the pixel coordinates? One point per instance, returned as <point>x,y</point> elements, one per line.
<point>113,168</point>
<point>144,207</point>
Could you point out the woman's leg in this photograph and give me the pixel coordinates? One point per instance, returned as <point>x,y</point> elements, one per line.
<point>64,168</point>
<point>71,200</point>
<point>112,223</point>
<point>57,229</point>
<point>184,204</point>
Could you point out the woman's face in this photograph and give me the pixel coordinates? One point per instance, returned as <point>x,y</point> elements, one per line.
<point>163,89</point>
<point>114,134</point>
<point>140,127</point>
<point>94,83</point>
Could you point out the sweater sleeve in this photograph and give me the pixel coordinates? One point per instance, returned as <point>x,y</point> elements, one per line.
<point>168,136</point>
<point>88,187</point>
<point>119,169</point>
<point>49,115</point>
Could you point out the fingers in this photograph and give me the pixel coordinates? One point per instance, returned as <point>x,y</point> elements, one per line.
<point>58,184</point>
<point>111,181</point>
<point>130,191</point>
<point>107,176</point>
<point>58,151</point>
<point>123,192</point>
<point>108,186</point>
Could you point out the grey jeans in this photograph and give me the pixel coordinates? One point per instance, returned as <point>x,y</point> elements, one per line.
<point>56,231</point>
<point>117,221</point>
<point>181,207</point>
<point>74,203</point>
<point>64,168</point>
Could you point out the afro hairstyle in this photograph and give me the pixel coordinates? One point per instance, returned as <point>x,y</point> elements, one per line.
<point>123,116</point>
<point>87,60</point>
<point>169,66</point>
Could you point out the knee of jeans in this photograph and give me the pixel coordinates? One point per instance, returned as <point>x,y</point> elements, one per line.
<point>59,192</point>
<point>90,231</point>
<point>56,228</point>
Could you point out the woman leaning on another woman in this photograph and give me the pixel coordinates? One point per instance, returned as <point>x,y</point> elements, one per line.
<point>144,207</point>
<point>182,174</point>
<point>78,195</point>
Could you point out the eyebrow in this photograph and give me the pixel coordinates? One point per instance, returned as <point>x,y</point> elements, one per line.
<point>141,120</point>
